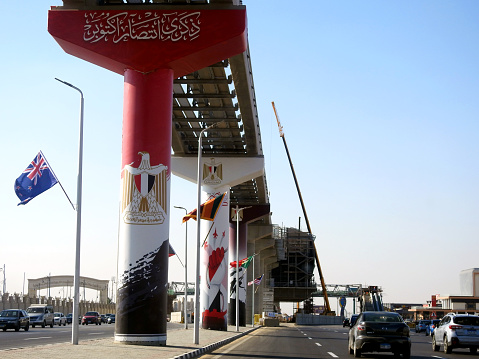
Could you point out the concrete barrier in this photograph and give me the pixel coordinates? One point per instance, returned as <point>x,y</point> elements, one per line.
<point>271,322</point>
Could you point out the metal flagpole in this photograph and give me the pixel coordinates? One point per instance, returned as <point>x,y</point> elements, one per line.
<point>186,264</point>
<point>76,278</point>
<point>252,295</point>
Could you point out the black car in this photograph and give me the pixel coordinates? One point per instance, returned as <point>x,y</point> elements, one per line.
<point>379,332</point>
<point>69,318</point>
<point>14,319</point>
<point>349,322</point>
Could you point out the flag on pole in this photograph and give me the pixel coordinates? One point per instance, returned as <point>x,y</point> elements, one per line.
<point>36,179</point>
<point>208,209</point>
<point>256,281</point>
<point>243,262</point>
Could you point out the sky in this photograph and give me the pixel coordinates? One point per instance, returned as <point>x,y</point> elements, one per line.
<point>378,103</point>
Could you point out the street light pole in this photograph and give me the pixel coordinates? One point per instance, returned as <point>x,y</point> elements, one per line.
<point>198,236</point>
<point>76,278</point>
<point>186,264</point>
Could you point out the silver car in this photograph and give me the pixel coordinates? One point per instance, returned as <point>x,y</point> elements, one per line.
<point>457,331</point>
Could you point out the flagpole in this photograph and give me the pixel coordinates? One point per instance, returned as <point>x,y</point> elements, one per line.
<point>185,266</point>
<point>54,175</point>
<point>76,278</point>
<point>252,302</point>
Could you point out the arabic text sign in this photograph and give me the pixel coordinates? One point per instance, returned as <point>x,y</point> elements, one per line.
<point>151,25</point>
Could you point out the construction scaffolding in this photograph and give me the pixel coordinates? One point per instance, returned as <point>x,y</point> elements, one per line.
<point>293,278</point>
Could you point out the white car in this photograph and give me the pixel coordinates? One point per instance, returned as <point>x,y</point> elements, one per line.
<point>60,319</point>
<point>456,331</point>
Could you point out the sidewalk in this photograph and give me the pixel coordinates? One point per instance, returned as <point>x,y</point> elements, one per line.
<point>179,345</point>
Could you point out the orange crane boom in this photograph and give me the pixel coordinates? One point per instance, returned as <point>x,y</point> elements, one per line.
<point>323,285</point>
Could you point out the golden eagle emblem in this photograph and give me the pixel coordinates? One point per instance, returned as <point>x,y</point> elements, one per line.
<point>144,198</point>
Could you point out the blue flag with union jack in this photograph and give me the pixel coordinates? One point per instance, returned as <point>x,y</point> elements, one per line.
<point>36,179</point>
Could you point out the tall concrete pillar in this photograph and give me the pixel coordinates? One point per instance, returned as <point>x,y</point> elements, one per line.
<point>143,244</point>
<point>239,287</point>
<point>214,283</point>
<point>149,45</point>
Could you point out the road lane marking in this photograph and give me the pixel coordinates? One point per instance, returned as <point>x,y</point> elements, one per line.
<point>233,347</point>
<point>310,338</point>
<point>96,333</point>
<point>333,355</point>
<point>319,345</point>
<point>37,338</point>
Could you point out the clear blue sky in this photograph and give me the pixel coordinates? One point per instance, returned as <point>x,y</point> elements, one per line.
<point>379,104</point>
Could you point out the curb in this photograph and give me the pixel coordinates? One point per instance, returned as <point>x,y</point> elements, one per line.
<point>197,352</point>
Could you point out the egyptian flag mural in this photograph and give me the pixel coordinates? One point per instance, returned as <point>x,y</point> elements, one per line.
<point>143,243</point>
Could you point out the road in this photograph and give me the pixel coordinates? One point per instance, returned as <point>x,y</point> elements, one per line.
<point>43,336</point>
<point>325,342</point>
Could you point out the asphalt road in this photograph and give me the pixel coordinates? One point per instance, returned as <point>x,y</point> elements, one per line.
<point>317,342</point>
<point>43,336</point>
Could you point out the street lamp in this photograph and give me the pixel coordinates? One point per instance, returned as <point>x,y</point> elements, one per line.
<point>76,278</point>
<point>198,235</point>
<point>237,265</point>
<point>186,264</point>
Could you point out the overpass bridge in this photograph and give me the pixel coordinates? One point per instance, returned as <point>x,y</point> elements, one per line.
<point>223,94</point>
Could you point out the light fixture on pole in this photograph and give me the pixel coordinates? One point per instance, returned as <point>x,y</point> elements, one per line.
<point>76,278</point>
<point>186,273</point>
<point>198,236</point>
<point>237,264</point>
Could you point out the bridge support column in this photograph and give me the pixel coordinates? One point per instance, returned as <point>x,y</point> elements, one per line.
<point>143,244</point>
<point>214,283</point>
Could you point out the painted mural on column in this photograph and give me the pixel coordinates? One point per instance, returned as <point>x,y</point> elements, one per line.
<point>232,271</point>
<point>214,281</point>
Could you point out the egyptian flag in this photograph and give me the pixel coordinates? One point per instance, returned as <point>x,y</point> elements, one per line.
<point>208,209</point>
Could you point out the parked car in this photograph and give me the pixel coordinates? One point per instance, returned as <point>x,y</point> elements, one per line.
<point>41,314</point>
<point>111,319</point>
<point>69,318</point>
<point>456,331</point>
<point>421,325</point>
<point>91,318</point>
<point>60,319</point>
<point>103,318</point>
<point>430,328</point>
<point>379,332</point>
<point>14,319</point>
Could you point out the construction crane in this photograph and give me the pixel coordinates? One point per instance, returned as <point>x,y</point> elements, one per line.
<point>323,285</point>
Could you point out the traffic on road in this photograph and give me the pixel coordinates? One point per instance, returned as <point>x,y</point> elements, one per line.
<point>326,341</point>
